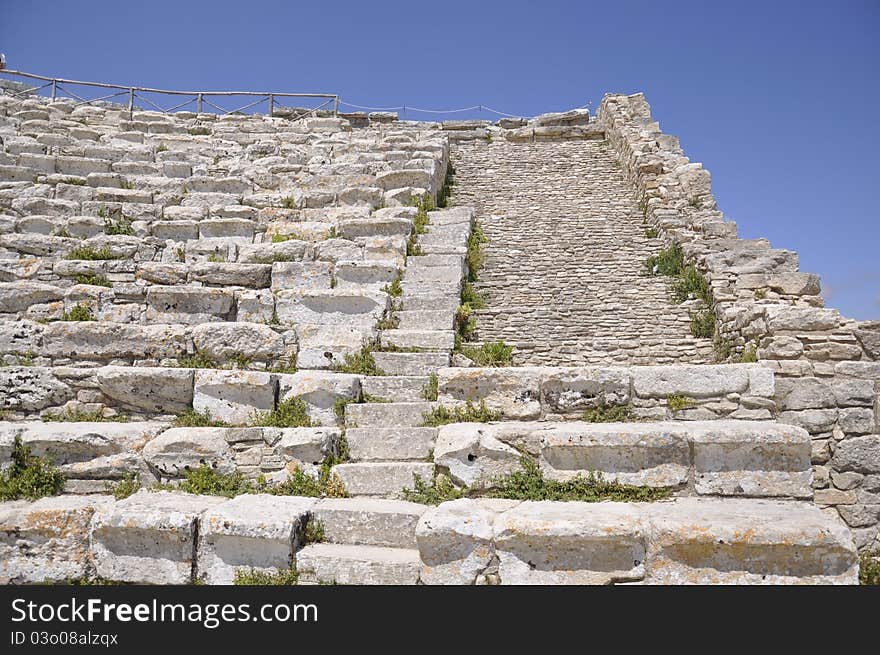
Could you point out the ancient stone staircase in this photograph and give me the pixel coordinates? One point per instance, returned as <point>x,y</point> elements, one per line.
<point>207,311</point>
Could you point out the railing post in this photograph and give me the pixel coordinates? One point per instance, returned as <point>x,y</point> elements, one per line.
<point>199,103</point>
<point>271,104</point>
<point>54,89</point>
<point>130,103</point>
<point>336,107</point>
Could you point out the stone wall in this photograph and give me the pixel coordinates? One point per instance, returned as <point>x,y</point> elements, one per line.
<point>827,366</point>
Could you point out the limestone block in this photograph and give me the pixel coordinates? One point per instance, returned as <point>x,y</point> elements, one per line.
<point>455,540</point>
<point>577,389</point>
<point>47,540</point>
<point>690,380</point>
<point>473,455</point>
<point>739,541</point>
<point>301,275</point>
<point>369,521</point>
<point>804,393</point>
<point>165,390</point>
<point>515,392</point>
<point>31,388</point>
<point>570,543</point>
<point>320,390</point>
<point>226,274</point>
<point>330,307</point>
<point>375,273</point>
<point>348,564</point>
<point>233,396</point>
<point>65,443</point>
<point>256,306</point>
<point>382,478</point>
<point>188,304</point>
<point>18,296</point>
<point>252,531</point>
<point>806,319</point>
<point>650,454</point>
<point>178,450</point>
<point>860,454</point>
<point>308,445</point>
<point>222,341</point>
<point>150,537</point>
<point>267,253</point>
<point>405,178</point>
<point>96,340</point>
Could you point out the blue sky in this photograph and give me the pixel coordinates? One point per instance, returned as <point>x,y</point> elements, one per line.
<point>777,99</point>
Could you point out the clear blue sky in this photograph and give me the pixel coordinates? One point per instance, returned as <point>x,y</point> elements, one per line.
<point>779,100</point>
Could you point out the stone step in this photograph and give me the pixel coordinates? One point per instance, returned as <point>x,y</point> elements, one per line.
<point>386,415</point>
<point>724,457</point>
<point>423,339</point>
<point>390,444</point>
<point>369,521</point>
<point>410,363</point>
<point>397,388</point>
<point>426,319</point>
<point>682,541</point>
<point>429,301</point>
<point>385,479</point>
<point>427,261</point>
<point>357,565</point>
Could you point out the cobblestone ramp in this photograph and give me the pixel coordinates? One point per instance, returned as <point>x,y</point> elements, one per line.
<point>567,246</point>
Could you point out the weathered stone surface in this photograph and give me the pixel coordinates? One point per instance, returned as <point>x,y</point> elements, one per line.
<point>221,341</point>
<point>804,393</point>
<point>694,381</point>
<point>308,445</point>
<point>178,450</point>
<point>570,543</point>
<point>515,392</point>
<point>455,540</point>
<point>149,538</point>
<point>47,540</point>
<point>31,388</point>
<point>473,455</point>
<point>233,396</point>
<point>386,479</point>
<point>252,531</point>
<point>166,390</point>
<point>357,564</point>
<point>370,521</point>
<point>398,443</point>
<point>577,389</point>
<point>98,340</point>
<point>860,454</point>
<point>703,541</point>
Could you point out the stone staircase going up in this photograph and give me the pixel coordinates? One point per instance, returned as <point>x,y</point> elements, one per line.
<point>228,266</point>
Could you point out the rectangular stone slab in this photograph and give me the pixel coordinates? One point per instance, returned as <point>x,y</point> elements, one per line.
<point>370,521</point>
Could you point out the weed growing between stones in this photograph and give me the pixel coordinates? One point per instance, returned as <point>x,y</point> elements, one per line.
<point>465,324</point>
<point>89,253</point>
<point>339,406</point>
<point>420,224</point>
<point>289,366</point>
<point>254,578</point>
<point>240,361</point>
<point>290,413</point>
<point>197,360</point>
<point>162,148</point>
<point>128,485</point>
<point>288,203</point>
<point>444,196</point>
<point>703,323</point>
<point>476,255</point>
<point>608,414</point>
<point>29,476</point>
<point>122,225</point>
<point>314,532</point>
<point>79,416</point>
<point>668,261</point>
<point>361,362</point>
<point>530,484</point>
<point>869,568</point>
<point>651,233</point>
<point>94,280</point>
<point>389,322</point>
<point>78,313</point>
<point>471,298</point>
<point>370,398</point>
<point>677,402</point>
<point>749,354</point>
<point>467,413</point>
<point>199,131</point>
<point>394,289</point>
<point>281,238</point>
<point>207,481</point>
<point>214,258</point>
<point>194,419</point>
<point>432,388</point>
<point>77,181</point>
<point>493,353</point>
<point>690,283</point>
<point>439,490</point>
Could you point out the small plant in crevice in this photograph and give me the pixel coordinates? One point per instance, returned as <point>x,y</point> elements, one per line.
<point>251,577</point>
<point>290,413</point>
<point>690,283</point>
<point>493,353</point>
<point>370,398</point>
<point>703,323</point>
<point>668,261</point>
<point>467,413</point>
<point>476,255</point>
<point>90,253</point>
<point>388,322</point>
<point>314,532</point>
<point>608,414</point>
<point>197,360</point>
<point>240,361</point>
<point>216,258</point>
<point>651,233</point>
<point>281,238</point>
<point>439,490</point>
<point>677,402</point>
<point>121,225</point>
<point>339,406</point>
<point>125,184</point>
<point>394,288</point>
<point>432,389</point>
<point>471,298</point>
<point>445,194</point>
<point>78,313</point>
<point>361,362</point>
<point>192,418</point>
<point>749,354</point>
<point>98,280</point>
<point>722,347</point>
<point>465,323</point>
<point>75,181</point>
<point>70,415</point>
<point>760,294</point>
<point>869,568</point>
<point>162,148</point>
<point>28,476</point>
<point>128,485</point>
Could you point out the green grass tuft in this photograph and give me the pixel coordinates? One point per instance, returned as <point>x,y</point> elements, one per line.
<point>476,255</point>
<point>99,280</point>
<point>467,413</point>
<point>78,313</point>
<point>89,253</point>
<point>703,323</point>
<point>361,362</point>
<point>197,360</point>
<point>254,578</point>
<point>78,416</point>
<point>869,568</point>
<point>439,490</point>
<point>194,419</point>
<point>290,413</point>
<point>128,485</point>
<point>677,402</point>
<point>608,414</point>
<point>669,261</point>
<point>432,389</point>
<point>493,353</point>
<point>29,476</point>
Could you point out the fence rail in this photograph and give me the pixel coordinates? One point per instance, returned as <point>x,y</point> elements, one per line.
<point>200,98</point>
